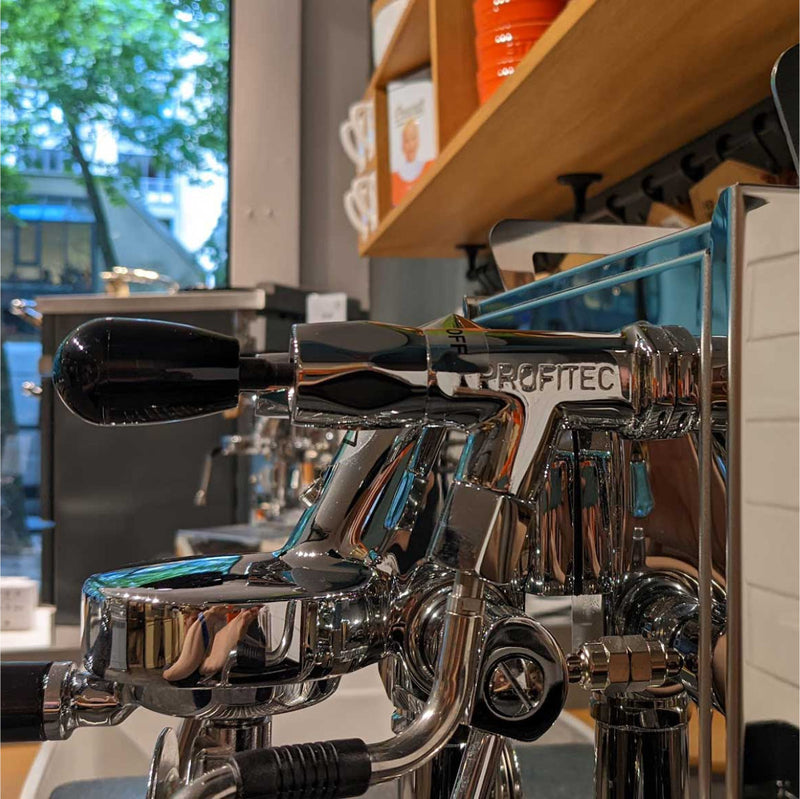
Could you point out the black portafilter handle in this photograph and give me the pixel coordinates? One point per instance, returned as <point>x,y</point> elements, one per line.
<point>117,371</point>
<point>22,701</point>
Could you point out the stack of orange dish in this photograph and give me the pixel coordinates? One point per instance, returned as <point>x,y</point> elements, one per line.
<point>505,31</point>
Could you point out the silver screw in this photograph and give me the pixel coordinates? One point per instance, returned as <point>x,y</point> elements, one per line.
<point>515,687</point>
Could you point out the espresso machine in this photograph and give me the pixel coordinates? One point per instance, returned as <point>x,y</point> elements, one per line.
<point>616,468</point>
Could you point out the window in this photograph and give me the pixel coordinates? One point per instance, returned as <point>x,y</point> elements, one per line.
<point>27,245</point>
<point>140,165</point>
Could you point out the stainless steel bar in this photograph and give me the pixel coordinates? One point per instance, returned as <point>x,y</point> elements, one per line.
<point>476,776</point>
<point>597,285</point>
<point>515,241</point>
<point>705,536</point>
<point>733,677</point>
<point>698,234</point>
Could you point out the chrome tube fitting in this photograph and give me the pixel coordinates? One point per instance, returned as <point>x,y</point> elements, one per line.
<point>618,664</point>
<point>664,605</point>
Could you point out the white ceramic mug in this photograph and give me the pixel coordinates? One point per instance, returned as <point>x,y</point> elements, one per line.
<point>357,133</point>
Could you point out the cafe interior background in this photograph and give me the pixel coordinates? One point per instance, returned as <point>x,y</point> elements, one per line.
<point>573,169</point>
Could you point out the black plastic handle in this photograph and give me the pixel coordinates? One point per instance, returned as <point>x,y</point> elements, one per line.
<point>321,770</point>
<point>116,371</point>
<point>22,701</point>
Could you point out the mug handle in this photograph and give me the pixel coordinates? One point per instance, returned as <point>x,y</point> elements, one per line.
<point>362,115</point>
<point>364,194</point>
<point>348,138</point>
<point>353,213</point>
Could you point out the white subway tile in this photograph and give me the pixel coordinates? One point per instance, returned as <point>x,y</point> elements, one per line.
<point>771,548</point>
<point>769,463</point>
<point>772,633</point>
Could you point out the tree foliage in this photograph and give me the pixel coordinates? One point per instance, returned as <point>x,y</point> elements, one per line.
<point>154,73</point>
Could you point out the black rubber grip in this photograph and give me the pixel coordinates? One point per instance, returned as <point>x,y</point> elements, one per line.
<point>22,701</point>
<point>323,770</point>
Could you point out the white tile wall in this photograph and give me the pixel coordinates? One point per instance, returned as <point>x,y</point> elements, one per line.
<point>770,480</point>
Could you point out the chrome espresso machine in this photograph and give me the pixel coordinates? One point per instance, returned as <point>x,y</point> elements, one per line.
<point>646,473</point>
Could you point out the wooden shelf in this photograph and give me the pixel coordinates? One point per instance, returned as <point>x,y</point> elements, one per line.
<point>611,87</point>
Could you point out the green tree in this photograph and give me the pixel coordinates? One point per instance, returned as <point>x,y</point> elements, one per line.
<point>152,72</point>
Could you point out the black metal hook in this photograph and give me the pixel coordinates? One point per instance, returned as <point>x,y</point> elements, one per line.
<point>579,182</point>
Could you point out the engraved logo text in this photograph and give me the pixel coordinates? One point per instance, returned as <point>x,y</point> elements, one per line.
<point>565,377</point>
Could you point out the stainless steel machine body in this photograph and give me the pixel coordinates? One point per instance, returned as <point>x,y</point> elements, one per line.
<point>603,466</point>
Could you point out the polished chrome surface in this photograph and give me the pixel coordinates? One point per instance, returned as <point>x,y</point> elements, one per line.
<point>235,636</point>
<point>452,691</point>
<point>55,726</point>
<point>479,766</point>
<point>165,776</point>
<point>514,392</point>
<point>73,698</point>
<point>641,746</point>
<point>207,744</point>
<point>218,784</point>
<point>515,687</point>
<point>705,554</point>
<point>664,606</point>
<point>620,664</point>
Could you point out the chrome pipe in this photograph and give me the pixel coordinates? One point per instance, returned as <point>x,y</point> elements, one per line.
<point>705,588</point>
<point>641,746</point>
<point>217,784</point>
<point>451,695</point>
<point>478,773</point>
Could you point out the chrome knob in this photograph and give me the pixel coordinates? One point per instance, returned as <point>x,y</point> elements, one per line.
<point>515,687</point>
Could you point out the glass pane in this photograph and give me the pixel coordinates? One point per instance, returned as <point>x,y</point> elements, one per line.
<point>6,251</point>
<point>54,237</point>
<point>77,270</point>
<point>26,252</point>
<point>136,175</point>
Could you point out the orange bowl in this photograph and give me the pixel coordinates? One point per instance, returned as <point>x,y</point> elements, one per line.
<point>510,34</point>
<point>499,70</point>
<point>491,14</point>
<point>502,53</point>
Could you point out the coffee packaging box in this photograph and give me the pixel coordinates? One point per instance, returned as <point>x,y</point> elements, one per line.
<point>412,130</point>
